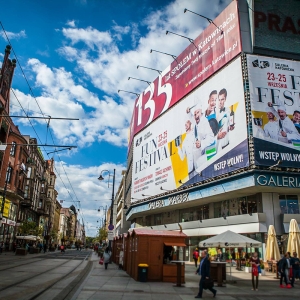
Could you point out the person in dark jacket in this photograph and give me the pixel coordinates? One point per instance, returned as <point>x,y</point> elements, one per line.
<point>295,266</point>
<point>204,271</point>
<point>282,265</point>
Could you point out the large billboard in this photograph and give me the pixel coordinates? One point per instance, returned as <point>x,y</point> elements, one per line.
<point>275,105</point>
<point>276,25</point>
<point>203,136</point>
<point>211,50</point>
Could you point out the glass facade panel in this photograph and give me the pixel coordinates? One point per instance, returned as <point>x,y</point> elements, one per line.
<point>289,204</point>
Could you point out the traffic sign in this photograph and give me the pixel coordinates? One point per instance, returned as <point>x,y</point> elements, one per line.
<point>111,226</point>
<point>110,235</point>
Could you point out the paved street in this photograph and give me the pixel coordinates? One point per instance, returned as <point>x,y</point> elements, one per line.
<point>29,275</point>
<point>40,276</point>
<point>115,284</point>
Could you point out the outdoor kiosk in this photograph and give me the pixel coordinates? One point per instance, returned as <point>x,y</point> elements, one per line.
<point>155,248</point>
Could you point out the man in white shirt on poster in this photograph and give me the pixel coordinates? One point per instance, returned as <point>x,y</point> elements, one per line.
<point>223,114</point>
<point>203,134</point>
<point>287,130</point>
<point>271,129</point>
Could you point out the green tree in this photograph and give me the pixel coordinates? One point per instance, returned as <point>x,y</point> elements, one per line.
<point>102,234</point>
<point>30,227</point>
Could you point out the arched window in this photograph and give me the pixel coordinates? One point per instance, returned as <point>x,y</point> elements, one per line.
<point>41,203</point>
<point>13,149</point>
<point>9,174</point>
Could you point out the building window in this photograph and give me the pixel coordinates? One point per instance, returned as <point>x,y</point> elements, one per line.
<point>289,204</point>
<point>148,221</point>
<point>9,174</point>
<point>26,191</point>
<point>40,204</point>
<point>13,149</point>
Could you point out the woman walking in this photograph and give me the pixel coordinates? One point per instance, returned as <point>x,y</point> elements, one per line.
<point>106,257</point>
<point>255,263</point>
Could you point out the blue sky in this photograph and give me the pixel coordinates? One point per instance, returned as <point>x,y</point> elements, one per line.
<point>76,54</point>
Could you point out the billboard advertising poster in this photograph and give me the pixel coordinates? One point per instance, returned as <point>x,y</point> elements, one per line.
<point>203,136</point>
<point>210,51</point>
<point>275,105</point>
<point>277,25</point>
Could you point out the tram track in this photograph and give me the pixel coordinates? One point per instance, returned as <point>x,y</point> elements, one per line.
<point>19,265</point>
<point>65,295</point>
<point>48,284</point>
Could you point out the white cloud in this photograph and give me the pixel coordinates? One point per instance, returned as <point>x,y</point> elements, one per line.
<point>92,193</point>
<point>90,36</point>
<point>13,35</point>
<point>71,23</point>
<point>98,66</point>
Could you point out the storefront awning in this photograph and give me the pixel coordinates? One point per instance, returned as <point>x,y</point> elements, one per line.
<point>175,244</point>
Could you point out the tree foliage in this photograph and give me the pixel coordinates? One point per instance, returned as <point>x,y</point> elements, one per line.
<point>30,227</point>
<point>102,233</point>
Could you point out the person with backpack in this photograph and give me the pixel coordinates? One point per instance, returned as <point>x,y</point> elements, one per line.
<point>196,256</point>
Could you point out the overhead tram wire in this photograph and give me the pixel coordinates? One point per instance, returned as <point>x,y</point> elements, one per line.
<point>31,91</point>
<point>49,157</point>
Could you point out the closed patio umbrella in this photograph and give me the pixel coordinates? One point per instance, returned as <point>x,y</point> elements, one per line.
<point>272,250</point>
<point>294,237</point>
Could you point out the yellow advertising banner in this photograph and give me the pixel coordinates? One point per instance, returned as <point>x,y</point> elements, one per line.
<point>6,206</point>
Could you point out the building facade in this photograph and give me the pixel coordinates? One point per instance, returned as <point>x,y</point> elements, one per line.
<point>222,154</point>
<point>27,181</point>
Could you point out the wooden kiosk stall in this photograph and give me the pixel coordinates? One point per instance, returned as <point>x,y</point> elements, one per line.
<point>157,249</point>
<point>119,243</point>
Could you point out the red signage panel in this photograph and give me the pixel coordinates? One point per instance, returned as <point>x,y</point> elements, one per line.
<point>218,44</point>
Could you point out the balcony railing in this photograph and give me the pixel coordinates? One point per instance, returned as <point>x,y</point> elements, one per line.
<point>26,202</point>
<point>20,192</point>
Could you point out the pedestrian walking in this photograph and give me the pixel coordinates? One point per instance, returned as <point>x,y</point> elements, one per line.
<point>121,257</point>
<point>1,247</point>
<point>295,268</point>
<point>62,249</point>
<point>220,256</point>
<point>45,248</point>
<point>106,256</point>
<point>288,269</point>
<point>255,263</point>
<point>282,266</point>
<point>204,272</point>
<point>196,256</point>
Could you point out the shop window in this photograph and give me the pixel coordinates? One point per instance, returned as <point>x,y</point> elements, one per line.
<point>148,221</point>
<point>194,213</point>
<point>13,149</point>
<point>289,204</point>
<point>252,204</point>
<point>186,215</point>
<point>157,219</point>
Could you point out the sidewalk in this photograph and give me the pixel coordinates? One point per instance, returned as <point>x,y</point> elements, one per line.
<point>115,284</point>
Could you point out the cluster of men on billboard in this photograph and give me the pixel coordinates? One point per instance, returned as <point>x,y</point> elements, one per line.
<point>207,130</point>
<point>274,93</point>
<point>207,126</point>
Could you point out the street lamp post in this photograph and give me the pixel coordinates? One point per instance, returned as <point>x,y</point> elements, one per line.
<point>112,198</point>
<point>105,212</point>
